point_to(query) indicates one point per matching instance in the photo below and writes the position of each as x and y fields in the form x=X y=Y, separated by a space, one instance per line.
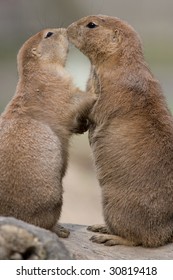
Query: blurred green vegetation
x=159 y=53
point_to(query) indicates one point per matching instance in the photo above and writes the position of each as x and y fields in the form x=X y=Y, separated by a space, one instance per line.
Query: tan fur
x=35 y=129
x=131 y=135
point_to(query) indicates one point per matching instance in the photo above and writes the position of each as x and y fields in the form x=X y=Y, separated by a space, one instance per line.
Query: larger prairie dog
x=131 y=135
x=35 y=129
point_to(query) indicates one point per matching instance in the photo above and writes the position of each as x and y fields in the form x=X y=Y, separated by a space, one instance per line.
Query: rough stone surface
x=19 y=240
x=81 y=247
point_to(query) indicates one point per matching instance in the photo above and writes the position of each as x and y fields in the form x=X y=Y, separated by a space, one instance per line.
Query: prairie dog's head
x=50 y=46
x=100 y=36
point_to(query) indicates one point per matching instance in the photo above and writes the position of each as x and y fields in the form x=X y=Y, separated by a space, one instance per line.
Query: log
x=81 y=247
x=20 y=240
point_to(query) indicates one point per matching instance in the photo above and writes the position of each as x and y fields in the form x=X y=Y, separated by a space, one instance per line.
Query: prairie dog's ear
x=117 y=36
x=35 y=52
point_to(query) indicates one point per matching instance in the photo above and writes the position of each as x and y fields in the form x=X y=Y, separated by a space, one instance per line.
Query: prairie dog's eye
x=91 y=25
x=49 y=34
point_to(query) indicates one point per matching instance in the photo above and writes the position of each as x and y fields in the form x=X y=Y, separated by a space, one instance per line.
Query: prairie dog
x=35 y=130
x=131 y=135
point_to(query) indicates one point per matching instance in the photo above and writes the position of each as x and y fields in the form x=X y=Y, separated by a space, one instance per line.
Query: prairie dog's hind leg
x=111 y=240
x=60 y=231
x=98 y=228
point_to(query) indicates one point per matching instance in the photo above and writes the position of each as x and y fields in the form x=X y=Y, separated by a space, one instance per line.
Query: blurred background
x=20 y=19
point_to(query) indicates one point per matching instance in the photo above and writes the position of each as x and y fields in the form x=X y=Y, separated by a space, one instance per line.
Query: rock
x=82 y=248
x=20 y=240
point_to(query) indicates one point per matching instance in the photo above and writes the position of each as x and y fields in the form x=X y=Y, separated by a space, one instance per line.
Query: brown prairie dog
x=131 y=135
x=35 y=130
